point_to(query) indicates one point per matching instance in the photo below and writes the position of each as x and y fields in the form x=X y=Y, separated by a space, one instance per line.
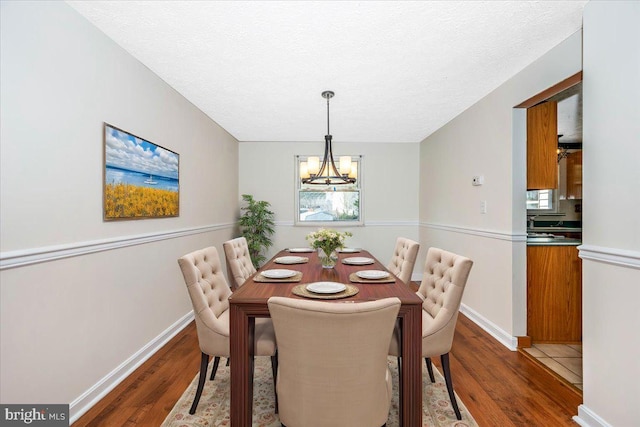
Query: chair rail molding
x=338 y=224
x=20 y=258
x=619 y=257
x=491 y=234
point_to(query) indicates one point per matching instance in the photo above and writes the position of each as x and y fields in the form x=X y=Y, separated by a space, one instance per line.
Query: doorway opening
x=552 y=311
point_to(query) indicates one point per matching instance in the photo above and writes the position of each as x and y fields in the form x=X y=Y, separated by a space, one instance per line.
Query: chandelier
x=312 y=172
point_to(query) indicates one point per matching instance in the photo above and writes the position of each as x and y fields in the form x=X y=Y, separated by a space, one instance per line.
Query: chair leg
x=274 y=371
x=447 y=378
x=216 y=361
x=204 y=364
x=427 y=361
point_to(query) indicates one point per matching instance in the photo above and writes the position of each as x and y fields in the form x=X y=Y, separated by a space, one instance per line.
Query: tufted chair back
x=333 y=361
x=239 y=264
x=209 y=293
x=404 y=258
x=443 y=282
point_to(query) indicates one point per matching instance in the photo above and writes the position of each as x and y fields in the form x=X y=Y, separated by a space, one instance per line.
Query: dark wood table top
x=252 y=292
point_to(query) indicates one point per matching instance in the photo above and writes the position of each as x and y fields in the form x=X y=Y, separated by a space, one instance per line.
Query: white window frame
x=332 y=224
x=555 y=202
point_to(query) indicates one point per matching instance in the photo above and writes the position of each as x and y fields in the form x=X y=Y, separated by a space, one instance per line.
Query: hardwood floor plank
x=498 y=386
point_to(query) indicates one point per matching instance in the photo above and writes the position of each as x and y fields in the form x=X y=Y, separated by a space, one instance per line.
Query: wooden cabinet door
x=574 y=175
x=542 y=143
x=554 y=294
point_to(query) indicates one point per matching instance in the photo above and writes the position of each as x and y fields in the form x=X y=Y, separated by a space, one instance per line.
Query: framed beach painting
x=141 y=179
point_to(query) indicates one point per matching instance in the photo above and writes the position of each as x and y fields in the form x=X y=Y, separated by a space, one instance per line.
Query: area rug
x=213 y=409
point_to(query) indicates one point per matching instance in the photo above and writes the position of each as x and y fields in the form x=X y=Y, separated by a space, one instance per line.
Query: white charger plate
x=349 y=250
x=372 y=274
x=300 y=250
x=289 y=260
x=278 y=273
x=358 y=260
x=326 y=287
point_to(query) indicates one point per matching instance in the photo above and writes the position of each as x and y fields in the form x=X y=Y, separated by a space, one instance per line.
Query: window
x=332 y=205
x=541 y=200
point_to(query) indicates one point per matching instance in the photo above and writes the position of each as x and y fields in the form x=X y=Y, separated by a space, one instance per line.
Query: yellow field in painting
x=131 y=201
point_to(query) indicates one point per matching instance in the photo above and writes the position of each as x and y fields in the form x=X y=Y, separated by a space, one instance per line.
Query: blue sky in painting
x=126 y=151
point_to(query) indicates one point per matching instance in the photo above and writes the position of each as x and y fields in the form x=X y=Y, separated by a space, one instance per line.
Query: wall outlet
x=483 y=207
x=478 y=180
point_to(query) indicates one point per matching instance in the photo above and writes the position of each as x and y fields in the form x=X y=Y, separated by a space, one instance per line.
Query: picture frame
x=140 y=178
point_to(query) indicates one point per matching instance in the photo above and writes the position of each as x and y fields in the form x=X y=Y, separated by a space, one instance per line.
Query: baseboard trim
x=588 y=418
x=491 y=328
x=89 y=398
x=620 y=257
x=13 y=259
x=509 y=237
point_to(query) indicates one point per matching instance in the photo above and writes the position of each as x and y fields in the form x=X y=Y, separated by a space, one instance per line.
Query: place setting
x=325 y=290
x=358 y=260
x=300 y=250
x=278 y=276
x=291 y=260
x=349 y=250
x=372 y=276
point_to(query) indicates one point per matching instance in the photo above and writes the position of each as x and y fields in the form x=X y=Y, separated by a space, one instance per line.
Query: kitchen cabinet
x=574 y=175
x=542 y=143
x=570 y=176
x=554 y=294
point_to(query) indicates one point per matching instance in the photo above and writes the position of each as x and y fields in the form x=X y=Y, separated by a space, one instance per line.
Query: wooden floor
x=498 y=386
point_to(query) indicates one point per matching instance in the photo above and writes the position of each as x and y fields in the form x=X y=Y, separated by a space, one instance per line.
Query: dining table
x=250 y=301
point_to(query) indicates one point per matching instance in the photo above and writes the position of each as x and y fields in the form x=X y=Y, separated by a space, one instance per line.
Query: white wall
x=611 y=220
x=82 y=300
x=486 y=140
x=390 y=178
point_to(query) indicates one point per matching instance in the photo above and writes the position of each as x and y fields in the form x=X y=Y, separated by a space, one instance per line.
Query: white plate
x=278 y=273
x=326 y=287
x=349 y=250
x=372 y=274
x=358 y=260
x=300 y=250
x=289 y=260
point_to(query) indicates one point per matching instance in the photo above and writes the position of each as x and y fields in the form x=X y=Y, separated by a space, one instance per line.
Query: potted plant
x=257 y=226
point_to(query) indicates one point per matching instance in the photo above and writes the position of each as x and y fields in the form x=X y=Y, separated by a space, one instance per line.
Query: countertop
x=552 y=241
x=554 y=229
x=545 y=236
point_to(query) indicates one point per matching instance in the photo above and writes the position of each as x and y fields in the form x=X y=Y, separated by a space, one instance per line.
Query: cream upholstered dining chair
x=333 y=361
x=209 y=293
x=239 y=264
x=443 y=282
x=404 y=258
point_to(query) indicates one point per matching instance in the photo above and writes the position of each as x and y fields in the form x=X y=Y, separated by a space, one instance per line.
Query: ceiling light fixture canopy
x=312 y=172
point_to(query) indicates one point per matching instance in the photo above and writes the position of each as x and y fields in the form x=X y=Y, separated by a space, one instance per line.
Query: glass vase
x=327 y=261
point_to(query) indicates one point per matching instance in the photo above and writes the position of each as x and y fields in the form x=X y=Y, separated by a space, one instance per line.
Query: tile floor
x=563 y=359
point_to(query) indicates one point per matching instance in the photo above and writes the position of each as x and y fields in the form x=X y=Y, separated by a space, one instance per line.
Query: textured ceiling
x=400 y=70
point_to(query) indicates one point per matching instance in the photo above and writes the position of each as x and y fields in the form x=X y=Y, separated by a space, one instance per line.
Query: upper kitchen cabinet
x=542 y=144
x=574 y=175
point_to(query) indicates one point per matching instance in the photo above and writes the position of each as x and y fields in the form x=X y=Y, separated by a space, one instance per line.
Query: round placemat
x=301 y=290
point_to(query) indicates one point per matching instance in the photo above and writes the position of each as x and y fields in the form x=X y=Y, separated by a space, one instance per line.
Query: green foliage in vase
x=257 y=226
